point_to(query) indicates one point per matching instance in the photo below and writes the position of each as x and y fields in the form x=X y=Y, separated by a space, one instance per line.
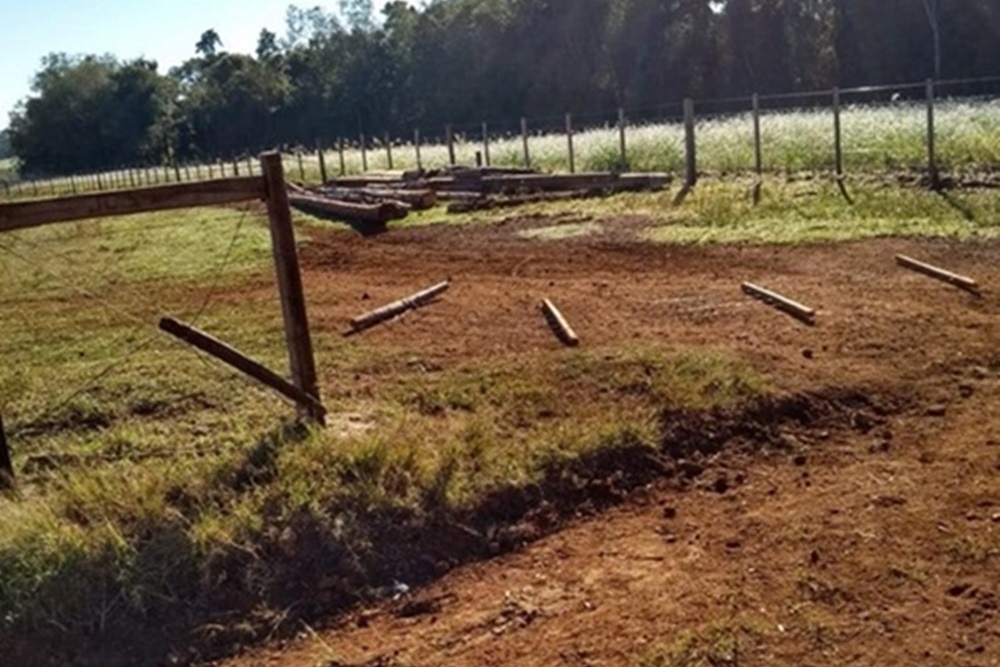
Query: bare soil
x=852 y=520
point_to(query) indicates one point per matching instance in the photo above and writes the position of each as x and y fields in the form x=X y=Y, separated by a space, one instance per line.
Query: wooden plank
x=241 y=362
x=793 y=308
x=559 y=324
x=6 y=466
x=286 y=264
x=962 y=282
x=396 y=308
x=81 y=207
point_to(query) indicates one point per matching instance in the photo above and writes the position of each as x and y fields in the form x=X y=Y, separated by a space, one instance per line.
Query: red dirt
x=874 y=542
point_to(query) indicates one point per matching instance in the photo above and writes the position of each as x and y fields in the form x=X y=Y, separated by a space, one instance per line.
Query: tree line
x=459 y=61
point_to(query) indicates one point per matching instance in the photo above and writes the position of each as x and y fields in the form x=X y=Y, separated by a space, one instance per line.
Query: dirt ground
x=869 y=538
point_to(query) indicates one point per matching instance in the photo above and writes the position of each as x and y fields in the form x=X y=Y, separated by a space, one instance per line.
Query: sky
x=161 y=30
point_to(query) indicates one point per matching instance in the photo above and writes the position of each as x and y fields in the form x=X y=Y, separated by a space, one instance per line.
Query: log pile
x=390 y=195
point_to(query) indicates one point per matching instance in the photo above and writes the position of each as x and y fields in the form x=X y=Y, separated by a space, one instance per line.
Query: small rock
x=966 y=390
x=669 y=512
x=366 y=296
x=670 y=539
x=800 y=460
x=814 y=557
x=936 y=411
x=995 y=518
x=807 y=353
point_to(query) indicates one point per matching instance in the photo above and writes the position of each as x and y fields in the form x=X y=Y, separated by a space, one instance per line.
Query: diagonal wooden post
x=286 y=264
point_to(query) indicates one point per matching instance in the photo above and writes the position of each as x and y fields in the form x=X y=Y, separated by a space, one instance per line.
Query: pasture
x=174 y=506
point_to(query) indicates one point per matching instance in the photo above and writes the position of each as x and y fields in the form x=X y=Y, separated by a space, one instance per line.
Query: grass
x=157 y=487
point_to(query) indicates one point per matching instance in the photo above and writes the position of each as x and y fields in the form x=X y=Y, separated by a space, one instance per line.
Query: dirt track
x=872 y=540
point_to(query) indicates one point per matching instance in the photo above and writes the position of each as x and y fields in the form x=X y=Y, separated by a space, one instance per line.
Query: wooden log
x=962 y=282
x=581 y=181
x=477 y=202
x=241 y=362
x=417 y=199
x=396 y=308
x=559 y=324
x=793 y=308
x=6 y=465
x=382 y=212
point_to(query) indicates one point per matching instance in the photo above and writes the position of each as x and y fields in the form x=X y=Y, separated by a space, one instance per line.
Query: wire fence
x=951 y=125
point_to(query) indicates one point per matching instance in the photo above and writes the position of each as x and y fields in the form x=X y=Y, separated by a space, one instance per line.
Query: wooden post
x=322 y=161
x=771 y=298
x=416 y=148
x=690 y=158
x=932 y=167
x=486 y=143
x=72 y=184
x=621 y=140
x=340 y=153
x=758 y=160
x=399 y=307
x=100 y=183
x=450 y=139
x=559 y=324
x=388 y=150
x=241 y=362
x=569 y=143
x=524 y=140
x=838 y=150
x=302 y=169
x=236 y=168
x=6 y=465
x=960 y=281
x=364 y=155
x=286 y=263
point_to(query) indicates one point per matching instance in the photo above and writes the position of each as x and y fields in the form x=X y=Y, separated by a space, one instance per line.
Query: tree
x=267 y=45
x=208 y=43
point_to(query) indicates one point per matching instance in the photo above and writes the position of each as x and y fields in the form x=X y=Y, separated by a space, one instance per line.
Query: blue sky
x=162 y=30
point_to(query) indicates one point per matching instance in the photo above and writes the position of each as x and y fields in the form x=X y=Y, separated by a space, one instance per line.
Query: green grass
x=157 y=484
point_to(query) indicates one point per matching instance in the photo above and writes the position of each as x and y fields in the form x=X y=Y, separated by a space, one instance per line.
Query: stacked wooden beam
x=390 y=195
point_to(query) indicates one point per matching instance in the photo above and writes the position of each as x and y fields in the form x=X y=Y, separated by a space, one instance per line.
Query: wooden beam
x=6 y=466
x=81 y=207
x=559 y=324
x=793 y=308
x=955 y=279
x=241 y=362
x=286 y=264
x=396 y=308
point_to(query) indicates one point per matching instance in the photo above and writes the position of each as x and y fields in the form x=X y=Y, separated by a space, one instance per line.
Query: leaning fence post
x=524 y=140
x=621 y=138
x=569 y=143
x=932 y=167
x=450 y=139
x=286 y=263
x=690 y=158
x=6 y=466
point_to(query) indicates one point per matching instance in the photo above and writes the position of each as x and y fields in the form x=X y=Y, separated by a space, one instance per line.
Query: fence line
x=571 y=126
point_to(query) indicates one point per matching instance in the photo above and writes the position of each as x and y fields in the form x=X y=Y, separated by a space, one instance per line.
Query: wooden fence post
x=286 y=263
x=690 y=157
x=450 y=139
x=388 y=150
x=758 y=160
x=623 y=164
x=524 y=140
x=569 y=143
x=6 y=466
x=340 y=154
x=932 y=167
x=322 y=161
x=486 y=143
x=838 y=147
x=416 y=148
x=364 y=154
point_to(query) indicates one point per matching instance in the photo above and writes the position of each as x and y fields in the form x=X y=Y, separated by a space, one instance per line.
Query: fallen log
x=419 y=199
x=396 y=308
x=488 y=202
x=381 y=212
x=559 y=324
x=955 y=279
x=601 y=181
x=793 y=308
